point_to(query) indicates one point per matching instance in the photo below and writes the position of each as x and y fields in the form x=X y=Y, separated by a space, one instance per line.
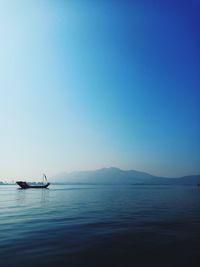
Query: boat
x=26 y=185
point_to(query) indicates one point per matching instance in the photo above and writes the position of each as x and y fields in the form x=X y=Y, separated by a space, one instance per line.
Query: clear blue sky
x=91 y=84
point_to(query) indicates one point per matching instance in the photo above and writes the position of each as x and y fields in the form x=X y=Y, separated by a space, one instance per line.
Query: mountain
x=117 y=176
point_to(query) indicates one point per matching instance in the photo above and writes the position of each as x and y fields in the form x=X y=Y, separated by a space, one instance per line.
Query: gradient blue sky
x=91 y=84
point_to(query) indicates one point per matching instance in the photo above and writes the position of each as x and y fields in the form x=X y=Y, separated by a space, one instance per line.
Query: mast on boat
x=44 y=178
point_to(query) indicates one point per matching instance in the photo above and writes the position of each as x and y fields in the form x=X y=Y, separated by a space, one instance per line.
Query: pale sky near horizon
x=92 y=84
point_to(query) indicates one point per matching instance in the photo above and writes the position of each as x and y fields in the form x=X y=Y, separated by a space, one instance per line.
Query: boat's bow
x=23 y=185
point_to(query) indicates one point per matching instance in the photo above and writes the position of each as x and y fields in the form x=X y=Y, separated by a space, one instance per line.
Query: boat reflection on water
x=32 y=197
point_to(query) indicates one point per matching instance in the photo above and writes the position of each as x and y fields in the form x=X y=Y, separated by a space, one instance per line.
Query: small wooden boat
x=25 y=185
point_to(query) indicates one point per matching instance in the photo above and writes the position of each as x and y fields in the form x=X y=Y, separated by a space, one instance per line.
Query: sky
x=92 y=84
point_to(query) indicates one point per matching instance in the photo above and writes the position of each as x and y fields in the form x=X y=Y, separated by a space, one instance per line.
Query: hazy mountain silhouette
x=117 y=176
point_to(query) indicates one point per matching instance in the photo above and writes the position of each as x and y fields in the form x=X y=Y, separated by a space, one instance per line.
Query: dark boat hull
x=25 y=185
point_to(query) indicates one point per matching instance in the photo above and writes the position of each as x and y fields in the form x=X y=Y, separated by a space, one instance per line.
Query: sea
x=100 y=225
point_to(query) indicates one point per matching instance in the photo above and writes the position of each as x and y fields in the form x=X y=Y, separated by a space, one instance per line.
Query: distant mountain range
x=117 y=176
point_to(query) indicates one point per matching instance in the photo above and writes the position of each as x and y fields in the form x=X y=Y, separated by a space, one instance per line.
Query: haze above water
x=96 y=225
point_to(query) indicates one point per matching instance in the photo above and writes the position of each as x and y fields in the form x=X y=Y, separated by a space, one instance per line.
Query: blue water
x=96 y=225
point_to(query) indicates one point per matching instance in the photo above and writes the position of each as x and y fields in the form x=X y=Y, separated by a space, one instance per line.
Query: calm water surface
x=95 y=225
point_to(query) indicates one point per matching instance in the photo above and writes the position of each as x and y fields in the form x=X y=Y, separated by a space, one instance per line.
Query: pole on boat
x=44 y=178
